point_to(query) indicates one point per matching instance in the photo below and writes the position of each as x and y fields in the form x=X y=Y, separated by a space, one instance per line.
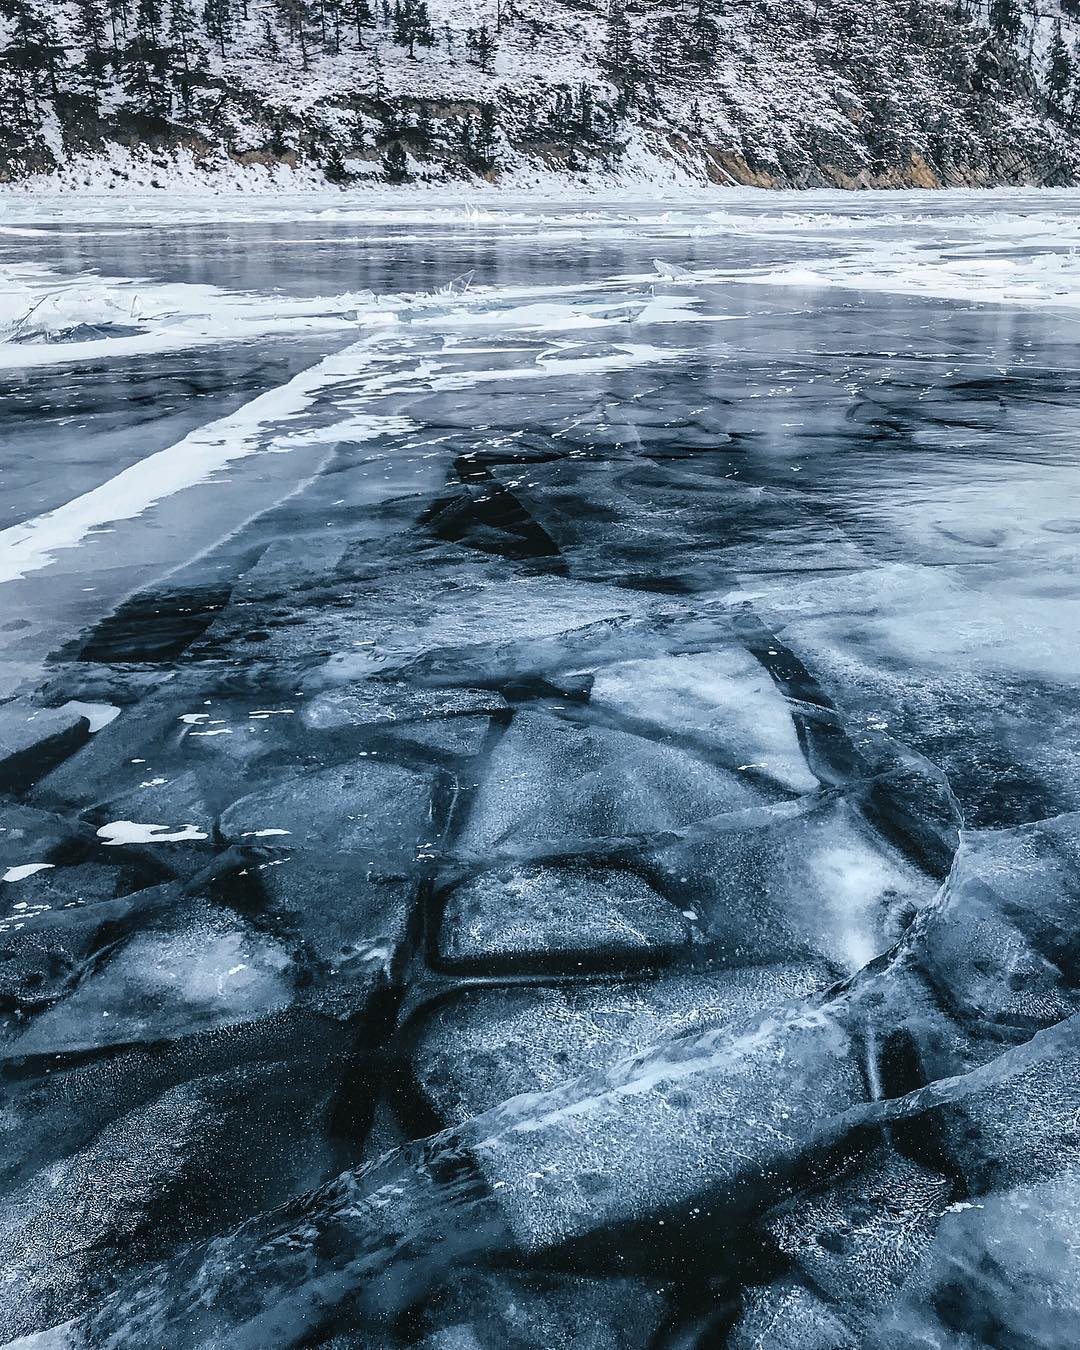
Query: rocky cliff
x=795 y=94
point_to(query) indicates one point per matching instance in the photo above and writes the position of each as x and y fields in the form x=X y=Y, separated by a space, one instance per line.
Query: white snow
x=39 y=304
x=25 y=870
x=33 y=544
x=131 y=832
x=99 y=715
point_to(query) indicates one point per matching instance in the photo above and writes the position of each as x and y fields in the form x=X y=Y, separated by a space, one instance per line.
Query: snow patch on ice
x=33 y=544
x=99 y=715
x=25 y=870
x=131 y=832
x=48 y=317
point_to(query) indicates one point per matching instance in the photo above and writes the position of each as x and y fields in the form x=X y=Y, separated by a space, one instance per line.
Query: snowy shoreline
x=296 y=189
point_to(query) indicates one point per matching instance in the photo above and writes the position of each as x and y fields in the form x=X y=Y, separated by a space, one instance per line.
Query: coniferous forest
x=815 y=92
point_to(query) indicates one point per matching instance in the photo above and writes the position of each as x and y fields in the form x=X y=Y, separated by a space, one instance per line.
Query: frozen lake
x=591 y=682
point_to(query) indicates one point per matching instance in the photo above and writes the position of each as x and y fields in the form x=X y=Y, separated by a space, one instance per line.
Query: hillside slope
x=792 y=93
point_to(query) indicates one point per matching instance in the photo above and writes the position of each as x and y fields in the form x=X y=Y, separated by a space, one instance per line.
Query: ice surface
x=72 y=1230
x=819 y=882
x=550 y=779
x=1016 y=247
x=196 y=968
x=547 y=915
x=788 y=1316
x=1009 y=1260
x=32 y=739
x=725 y=696
x=555 y=822
x=557 y=1311
x=48 y=317
x=745 y=1109
x=34 y=543
x=380 y=813
x=381 y=702
x=861 y=1240
x=520 y=1040
x=973 y=674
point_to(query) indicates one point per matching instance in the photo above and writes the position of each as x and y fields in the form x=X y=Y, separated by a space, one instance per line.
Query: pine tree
x=334 y=166
x=335 y=16
x=424 y=131
x=665 y=44
x=618 y=52
x=1059 y=71
x=585 y=112
x=396 y=163
x=180 y=31
x=145 y=63
x=703 y=35
x=92 y=33
x=297 y=15
x=1071 y=102
x=34 y=48
x=1004 y=18
x=362 y=18
x=118 y=22
x=412 y=25
x=148 y=23
x=478 y=140
x=217 y=20
x=483 y=155
x=15 y=111
x=90 y=28
x=271 y=45
x=561 y=118
x=480 y=44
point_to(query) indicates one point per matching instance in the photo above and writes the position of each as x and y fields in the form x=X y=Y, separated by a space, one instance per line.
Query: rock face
x=822 y=94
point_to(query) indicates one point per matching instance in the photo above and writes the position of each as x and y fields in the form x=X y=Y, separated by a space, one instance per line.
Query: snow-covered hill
x=769 y=92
